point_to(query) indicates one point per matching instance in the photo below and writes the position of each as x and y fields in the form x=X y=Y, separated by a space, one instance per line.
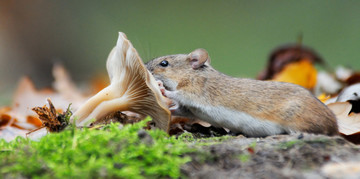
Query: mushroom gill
x=132 y=88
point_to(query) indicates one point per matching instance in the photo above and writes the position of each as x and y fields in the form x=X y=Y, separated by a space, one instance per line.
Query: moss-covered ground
x=110 y=152
x=129 y=151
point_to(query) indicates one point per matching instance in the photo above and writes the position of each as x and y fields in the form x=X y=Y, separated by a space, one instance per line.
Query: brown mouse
x=252 y=107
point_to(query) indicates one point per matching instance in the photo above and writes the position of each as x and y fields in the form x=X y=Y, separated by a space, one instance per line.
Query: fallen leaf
x=353 y=79
x=343 y=73
x=116 y=116
x=33 y=120
x=323 y=97
x=301 y=73
x=5 y=120
x=202 y=131
x=19 y=115
x=348 y=122
x=67 y=90
x=10 y=133
x=27 y=96
x=180 y=125
x=350 y=93
x=285 y=55
x=327 y=84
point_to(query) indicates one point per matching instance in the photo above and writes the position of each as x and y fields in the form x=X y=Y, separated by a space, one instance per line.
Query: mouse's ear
x=198 y=58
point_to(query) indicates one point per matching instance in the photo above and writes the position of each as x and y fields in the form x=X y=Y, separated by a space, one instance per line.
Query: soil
x=281 y=156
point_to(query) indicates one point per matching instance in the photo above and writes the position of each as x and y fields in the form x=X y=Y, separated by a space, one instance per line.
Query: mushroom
x=132 y=88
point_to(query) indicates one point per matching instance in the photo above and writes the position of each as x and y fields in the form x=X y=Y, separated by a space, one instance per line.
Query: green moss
x=321 y=140
x=112 y=153
x=253 y=145
x=212 y=140
x=289 y=144
x=190 y=138
x=187 y=137
x=244 y=157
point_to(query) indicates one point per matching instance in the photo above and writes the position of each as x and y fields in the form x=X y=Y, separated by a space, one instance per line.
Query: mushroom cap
x=132 y=88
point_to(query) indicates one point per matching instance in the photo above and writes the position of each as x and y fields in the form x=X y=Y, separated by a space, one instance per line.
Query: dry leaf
x=353 y=79
x=285 y=55
x=19 y=115
x=301 y=73
x=343 y=73
x=10 y=133
x=26 y=96
x=117 y=116
x=327 y=83
x=350 y=93
x=324 y=97
x=180 y=125
x=64 y=86
x=349 y=124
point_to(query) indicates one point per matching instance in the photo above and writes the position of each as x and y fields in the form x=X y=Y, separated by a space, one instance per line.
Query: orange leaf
x=301 y=73
x=323 y=97
x=4 y=120
x=34 y=121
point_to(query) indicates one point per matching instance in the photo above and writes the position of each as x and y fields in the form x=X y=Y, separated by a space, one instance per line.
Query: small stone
x=145 y=137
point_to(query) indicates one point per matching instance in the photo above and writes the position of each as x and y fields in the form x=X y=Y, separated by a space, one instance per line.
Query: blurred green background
x=238 y=35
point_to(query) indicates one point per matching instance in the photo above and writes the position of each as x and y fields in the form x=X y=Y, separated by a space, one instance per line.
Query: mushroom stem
x=91 y=104
x=105 y=108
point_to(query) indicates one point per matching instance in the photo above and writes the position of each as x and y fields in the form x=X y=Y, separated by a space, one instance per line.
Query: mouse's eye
x=164 y=63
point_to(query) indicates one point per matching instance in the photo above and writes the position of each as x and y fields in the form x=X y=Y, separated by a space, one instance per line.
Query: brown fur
x=286 y=104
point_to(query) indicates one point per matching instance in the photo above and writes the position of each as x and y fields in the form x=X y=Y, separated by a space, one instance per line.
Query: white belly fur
x=239 y=122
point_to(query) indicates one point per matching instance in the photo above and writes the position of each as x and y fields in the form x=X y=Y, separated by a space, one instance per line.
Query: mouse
x=245 y=106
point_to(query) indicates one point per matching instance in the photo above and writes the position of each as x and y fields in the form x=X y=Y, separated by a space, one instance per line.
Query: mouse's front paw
x=160 y=83
x=174 y=106
x=165 y=92
x=161 y=87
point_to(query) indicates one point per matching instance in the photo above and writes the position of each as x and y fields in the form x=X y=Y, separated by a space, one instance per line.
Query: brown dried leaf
x=176 y=129
x=349 y=124
x=353 y=79
x=285 y=55
x=202 y=131
x=66 y=88
x=5 y=120
x=199 y=128
x=27 y=96
x=116 y=116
